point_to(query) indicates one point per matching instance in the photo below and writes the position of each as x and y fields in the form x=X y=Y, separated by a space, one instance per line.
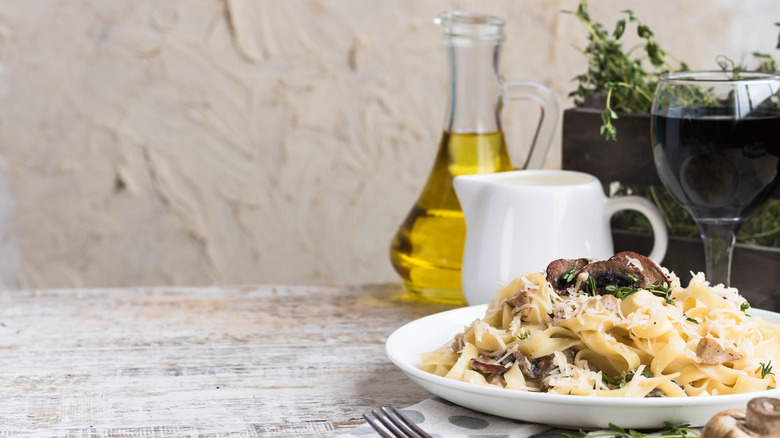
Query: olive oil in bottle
x=428 y=248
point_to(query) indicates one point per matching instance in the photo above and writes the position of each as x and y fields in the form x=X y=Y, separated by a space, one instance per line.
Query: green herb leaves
x=620 y=381
x=617 y=73
x=670 y=431
x=590 y=286
x=766 y=369
x=656 y=288
x=568 y=277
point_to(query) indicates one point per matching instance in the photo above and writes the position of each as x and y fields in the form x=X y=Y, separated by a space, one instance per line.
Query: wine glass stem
x=719 y=237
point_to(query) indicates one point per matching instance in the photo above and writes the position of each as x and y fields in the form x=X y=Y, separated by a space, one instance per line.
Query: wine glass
x=716 y=143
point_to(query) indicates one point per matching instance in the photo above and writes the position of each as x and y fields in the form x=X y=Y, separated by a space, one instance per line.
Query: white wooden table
x=222 y=361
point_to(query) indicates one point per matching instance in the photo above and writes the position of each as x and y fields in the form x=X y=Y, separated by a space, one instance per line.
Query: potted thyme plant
x=609 y=126
x=607 y=133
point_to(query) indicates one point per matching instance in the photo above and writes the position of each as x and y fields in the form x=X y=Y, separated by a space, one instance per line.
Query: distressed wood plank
x=222 y=361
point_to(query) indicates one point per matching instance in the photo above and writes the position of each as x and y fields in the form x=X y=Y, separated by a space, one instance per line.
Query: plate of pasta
x=588 y=343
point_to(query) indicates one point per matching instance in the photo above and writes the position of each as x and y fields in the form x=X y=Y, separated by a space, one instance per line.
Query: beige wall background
x=196 y=142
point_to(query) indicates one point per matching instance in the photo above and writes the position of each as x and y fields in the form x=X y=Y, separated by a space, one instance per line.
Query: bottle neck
x=474 y=86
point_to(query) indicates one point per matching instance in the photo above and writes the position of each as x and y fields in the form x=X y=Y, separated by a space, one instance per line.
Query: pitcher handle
x=548 y=120
x=649 y=210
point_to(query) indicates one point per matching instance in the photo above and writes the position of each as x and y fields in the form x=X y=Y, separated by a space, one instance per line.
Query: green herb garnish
x=590 y=287
x=568 y=277
x=691 y=319
x=656 y=288
x=766 y=369
x=620 y=381
x=744 y=306
x=623 y=292
x=670 y=431
x=617 y=380
x=523 y=336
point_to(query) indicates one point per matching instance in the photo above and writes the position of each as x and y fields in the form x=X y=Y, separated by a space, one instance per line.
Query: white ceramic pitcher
x=517 y=222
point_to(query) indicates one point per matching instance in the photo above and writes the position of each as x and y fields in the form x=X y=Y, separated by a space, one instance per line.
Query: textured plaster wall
x=204 y=141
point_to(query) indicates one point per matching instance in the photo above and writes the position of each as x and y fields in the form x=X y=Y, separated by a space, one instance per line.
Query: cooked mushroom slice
x=656 y=392
x=458 y=342
x=529 y=368
x=761 y=419
x=547 y=366
x=493 y=367
x=518 y=301
x=489 y=365
x=649 y=271
x=710 y=352
x=608 y=273
x=557 y=272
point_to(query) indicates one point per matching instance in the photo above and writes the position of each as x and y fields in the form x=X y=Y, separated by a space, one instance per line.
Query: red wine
x=714 y=164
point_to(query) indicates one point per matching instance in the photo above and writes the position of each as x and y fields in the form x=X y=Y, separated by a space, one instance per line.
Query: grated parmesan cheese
x=636 y=264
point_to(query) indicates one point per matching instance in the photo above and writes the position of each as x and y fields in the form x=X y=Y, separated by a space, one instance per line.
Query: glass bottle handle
x=548 y=119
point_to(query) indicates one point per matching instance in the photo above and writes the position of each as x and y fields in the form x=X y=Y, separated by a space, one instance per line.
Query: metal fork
x=389 y=422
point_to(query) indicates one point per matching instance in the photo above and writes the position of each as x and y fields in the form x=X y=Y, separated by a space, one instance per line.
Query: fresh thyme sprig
x=620 y=381
x=765 y=62
x=656 y=288
x=670 y=431
x=766 y=369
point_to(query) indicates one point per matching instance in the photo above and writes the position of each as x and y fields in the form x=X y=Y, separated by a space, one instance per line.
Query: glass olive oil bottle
x=428 y=248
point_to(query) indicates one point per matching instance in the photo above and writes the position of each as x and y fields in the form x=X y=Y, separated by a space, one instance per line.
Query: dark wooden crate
x=755 y=269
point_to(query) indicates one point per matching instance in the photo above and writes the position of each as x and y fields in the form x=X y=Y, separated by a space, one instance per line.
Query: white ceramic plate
x=426 y=334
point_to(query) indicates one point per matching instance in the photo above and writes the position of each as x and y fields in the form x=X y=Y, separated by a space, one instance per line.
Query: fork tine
x=410 y=426
x=372 y=421
x=391 y=424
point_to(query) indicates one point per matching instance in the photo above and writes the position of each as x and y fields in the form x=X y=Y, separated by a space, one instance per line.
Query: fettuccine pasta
x=658 y=339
